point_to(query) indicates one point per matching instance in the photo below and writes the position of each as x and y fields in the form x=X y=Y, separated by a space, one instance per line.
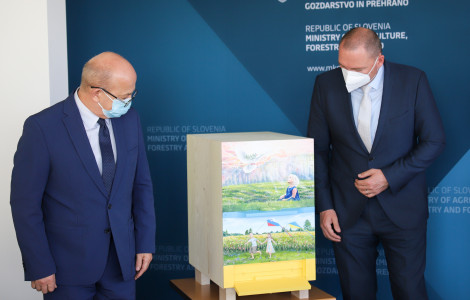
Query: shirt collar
x=377 y=82
x=90 y=120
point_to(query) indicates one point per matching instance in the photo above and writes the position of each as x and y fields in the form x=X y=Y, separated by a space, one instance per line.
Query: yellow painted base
x=273 y=277
x=271 y=286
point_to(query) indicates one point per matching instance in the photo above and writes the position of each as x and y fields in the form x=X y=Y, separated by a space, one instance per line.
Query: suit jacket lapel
x=121 y=152
x=74 y=124
x=386 y=100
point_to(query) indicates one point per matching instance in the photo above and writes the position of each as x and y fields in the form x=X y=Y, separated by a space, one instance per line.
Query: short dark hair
x=362 y=37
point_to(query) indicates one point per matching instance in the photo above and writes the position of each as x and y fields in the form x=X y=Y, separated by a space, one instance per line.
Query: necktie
x=363 y=118
x=107 y=156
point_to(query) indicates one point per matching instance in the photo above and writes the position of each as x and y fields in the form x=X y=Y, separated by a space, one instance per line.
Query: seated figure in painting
x=291 y=193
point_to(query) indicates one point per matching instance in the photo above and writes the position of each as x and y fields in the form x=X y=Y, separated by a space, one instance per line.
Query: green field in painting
x=265 y=196
x=293 y=246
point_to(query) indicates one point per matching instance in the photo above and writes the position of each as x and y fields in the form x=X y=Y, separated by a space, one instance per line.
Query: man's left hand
x=142 y=263
x=371 y=183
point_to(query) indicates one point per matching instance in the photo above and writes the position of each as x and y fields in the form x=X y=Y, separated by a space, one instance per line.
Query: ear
x=380 y=61
x=95 y=94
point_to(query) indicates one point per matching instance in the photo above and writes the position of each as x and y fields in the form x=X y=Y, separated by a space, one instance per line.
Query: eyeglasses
x=126 y=101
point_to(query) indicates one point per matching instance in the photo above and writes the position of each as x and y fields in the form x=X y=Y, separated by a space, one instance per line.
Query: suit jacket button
x=107 y=230
x=109 y=206
x=371 y=158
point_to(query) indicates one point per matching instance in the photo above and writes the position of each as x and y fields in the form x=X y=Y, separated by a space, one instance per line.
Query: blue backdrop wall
x=209 y=66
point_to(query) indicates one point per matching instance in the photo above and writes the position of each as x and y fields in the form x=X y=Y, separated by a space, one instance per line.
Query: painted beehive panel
x=251 y=209
x=268 y=201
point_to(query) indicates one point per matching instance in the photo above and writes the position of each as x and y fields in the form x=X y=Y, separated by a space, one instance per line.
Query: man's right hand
x=328 y=221
x=45 y=285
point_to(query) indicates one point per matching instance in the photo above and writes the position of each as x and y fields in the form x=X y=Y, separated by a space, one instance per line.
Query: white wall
x=26 y=81
x=58 y=71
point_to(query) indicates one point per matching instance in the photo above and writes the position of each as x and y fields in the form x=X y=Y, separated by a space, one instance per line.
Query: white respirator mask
x=355 y=80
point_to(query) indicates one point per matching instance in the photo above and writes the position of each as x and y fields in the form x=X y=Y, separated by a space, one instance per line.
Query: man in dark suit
x=81 y=193
x=376 y=129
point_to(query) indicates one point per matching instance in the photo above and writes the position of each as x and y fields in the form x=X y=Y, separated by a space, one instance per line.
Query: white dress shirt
x=92 y=128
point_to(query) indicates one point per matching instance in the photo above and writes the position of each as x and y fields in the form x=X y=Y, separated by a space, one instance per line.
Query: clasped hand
x=371 y=183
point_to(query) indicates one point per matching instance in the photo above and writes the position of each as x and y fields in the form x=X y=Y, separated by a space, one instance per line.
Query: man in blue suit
x=81 y=193
x=376 y=129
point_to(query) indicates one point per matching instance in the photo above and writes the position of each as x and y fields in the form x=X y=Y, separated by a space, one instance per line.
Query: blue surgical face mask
x=118 y=109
